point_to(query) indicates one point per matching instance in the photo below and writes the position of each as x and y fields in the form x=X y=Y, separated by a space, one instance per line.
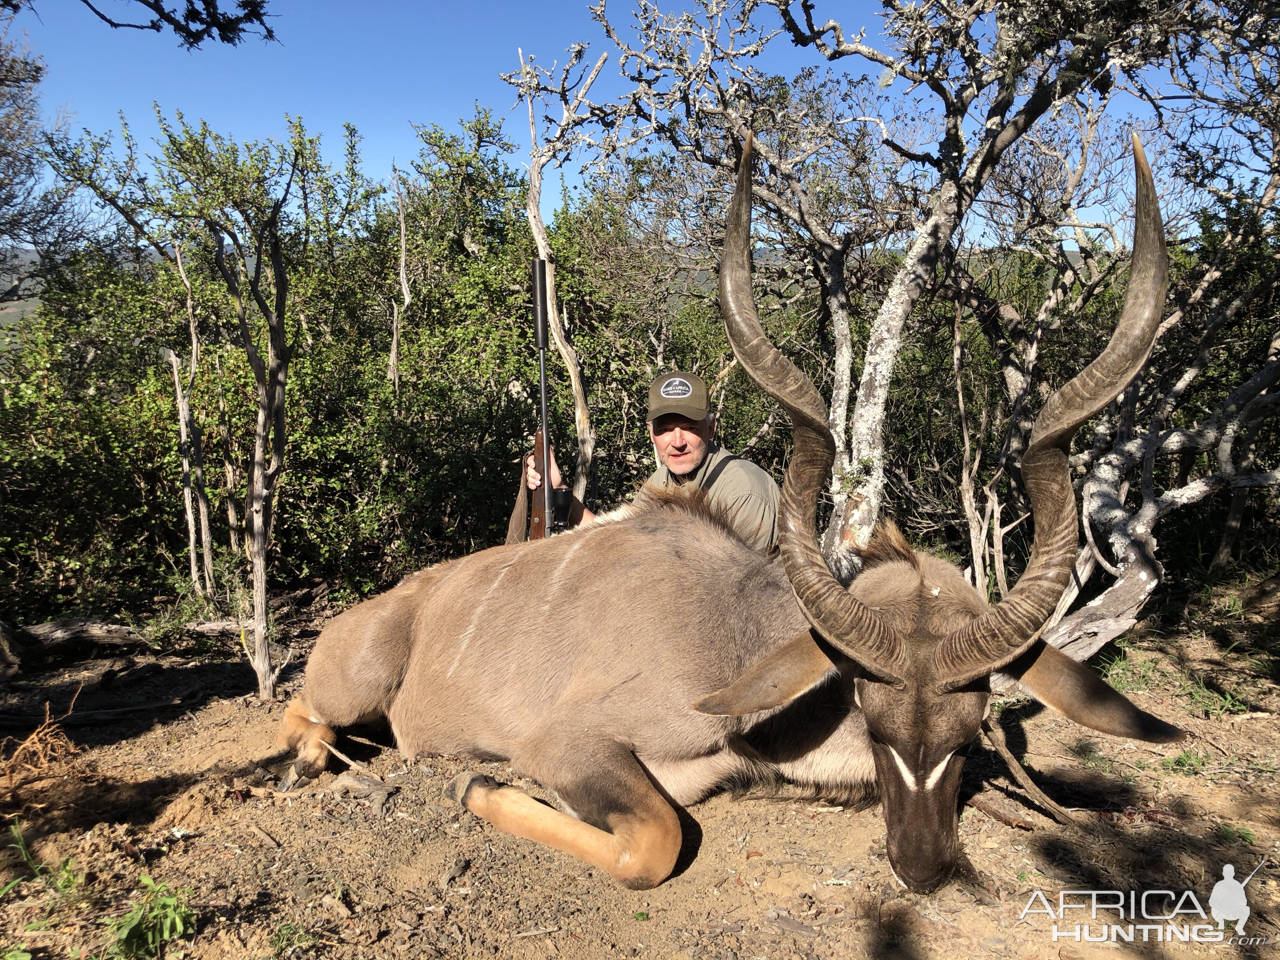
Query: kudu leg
x=631 y=832
x=302 y=729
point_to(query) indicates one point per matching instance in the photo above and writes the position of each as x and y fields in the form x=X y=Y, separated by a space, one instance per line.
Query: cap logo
x=676 y=389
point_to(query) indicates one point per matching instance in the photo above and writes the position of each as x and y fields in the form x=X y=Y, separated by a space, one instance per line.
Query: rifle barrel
x=1255 y=870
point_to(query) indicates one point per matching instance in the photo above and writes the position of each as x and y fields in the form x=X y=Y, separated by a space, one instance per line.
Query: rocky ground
x=152 y=773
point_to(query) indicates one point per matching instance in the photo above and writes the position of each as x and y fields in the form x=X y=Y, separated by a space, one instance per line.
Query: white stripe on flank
x=554 y=583
x=471 y=627
x=938 y=771
x=907 y=775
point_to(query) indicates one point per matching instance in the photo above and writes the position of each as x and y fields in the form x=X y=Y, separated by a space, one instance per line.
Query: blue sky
x=380 y=64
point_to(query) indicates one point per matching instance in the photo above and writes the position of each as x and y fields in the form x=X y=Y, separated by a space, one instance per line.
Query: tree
x=992 y=71
x=269 y=211
x=571 y=91
x=995 y=117
x=192 y=24
x=825 y=201
x=35 y=221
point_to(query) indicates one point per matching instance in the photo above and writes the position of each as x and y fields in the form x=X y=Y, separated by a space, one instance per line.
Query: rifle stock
x=538 y=515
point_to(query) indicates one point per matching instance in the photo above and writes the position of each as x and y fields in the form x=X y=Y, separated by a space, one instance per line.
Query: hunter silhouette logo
x=1228 y=900
x=1149 y=916
x=676 y=389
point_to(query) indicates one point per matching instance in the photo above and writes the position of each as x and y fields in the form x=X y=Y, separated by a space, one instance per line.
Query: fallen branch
x=539 y=931
x=60 y=631
x=299 y=598
x=218 y=628
x=996 y=737
x=262 y=835
x=91 y=716
x=343 y=757
x=44 y=640
x=995 y=813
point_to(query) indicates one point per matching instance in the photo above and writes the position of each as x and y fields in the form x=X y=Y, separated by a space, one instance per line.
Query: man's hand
x=577 y=512
x=534 y=479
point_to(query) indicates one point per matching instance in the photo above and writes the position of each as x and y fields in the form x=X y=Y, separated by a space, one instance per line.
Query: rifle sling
x=718 y=469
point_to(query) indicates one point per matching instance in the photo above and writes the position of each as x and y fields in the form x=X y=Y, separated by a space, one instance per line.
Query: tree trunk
x=866 y=428
x=397 y=309
x=393 y=358
x=269 y=431
x=257 y=536
x=975 y=522
x=44 y=640
x=193 y=477
x=228 y=464
x=581 y=411
x=10 y=661
x=202 y=500
x=836 y=297
x=1133 y=545
x=187 y=501
x=1234 y=515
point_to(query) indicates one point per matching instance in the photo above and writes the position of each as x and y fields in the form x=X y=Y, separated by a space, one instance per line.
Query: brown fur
x=590 y=664
x=578 y=659
x=887 y=546
x=689 y=501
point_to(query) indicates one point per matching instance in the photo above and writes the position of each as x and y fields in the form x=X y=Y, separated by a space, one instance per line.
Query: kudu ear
x=797 y=666
x=1081 y=695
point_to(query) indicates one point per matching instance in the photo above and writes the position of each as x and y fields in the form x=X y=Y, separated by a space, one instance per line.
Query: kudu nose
x=922 y=882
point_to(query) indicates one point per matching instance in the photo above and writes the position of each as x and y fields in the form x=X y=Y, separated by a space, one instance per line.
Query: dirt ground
x=153 y=773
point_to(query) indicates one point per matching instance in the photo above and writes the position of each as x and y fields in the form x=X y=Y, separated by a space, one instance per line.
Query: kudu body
x=648 y=658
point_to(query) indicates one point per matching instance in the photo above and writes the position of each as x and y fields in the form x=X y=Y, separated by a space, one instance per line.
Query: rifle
x=550 y=507
x=547 y=503
x=1255 y=870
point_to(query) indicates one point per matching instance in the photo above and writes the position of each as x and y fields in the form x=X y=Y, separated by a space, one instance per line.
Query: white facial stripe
x=910 y=779
x=937 y=772
x=907 y=775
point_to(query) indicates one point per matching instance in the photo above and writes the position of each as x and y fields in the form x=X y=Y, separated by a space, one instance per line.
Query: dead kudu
x=649 y=658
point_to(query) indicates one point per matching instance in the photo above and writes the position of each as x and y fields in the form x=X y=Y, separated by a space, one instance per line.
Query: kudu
x=648 y=658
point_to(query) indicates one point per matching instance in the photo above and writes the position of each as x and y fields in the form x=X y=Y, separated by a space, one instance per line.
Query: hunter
x=682 y=427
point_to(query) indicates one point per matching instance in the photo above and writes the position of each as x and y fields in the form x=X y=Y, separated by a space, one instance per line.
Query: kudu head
x=920 y=641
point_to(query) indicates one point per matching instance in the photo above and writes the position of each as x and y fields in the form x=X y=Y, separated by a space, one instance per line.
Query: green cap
x=682 y=393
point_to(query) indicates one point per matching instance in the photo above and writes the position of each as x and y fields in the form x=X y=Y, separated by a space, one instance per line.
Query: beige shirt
x=746 y=494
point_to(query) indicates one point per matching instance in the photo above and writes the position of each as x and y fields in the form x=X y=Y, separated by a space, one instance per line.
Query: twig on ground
x=264 y=836
x=996 y=737
x=1213 y=743
x=344 y=758
x=91 y=716
x=535 y=932
x=995 y=813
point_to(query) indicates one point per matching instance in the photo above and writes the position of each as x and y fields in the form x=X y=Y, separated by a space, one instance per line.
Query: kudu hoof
x=293 y=779
x=463 y=783
x=304 y=768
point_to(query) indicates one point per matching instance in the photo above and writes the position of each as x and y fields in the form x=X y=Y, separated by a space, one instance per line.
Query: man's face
x=681 y=443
